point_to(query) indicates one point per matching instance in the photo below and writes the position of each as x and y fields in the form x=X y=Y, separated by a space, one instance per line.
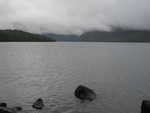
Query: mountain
x=21 y=36
x=62 y=37
x=118 y=35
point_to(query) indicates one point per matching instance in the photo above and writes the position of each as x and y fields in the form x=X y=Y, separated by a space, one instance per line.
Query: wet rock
x=84 y=93
x=145 y=108
x=3 y=104
x=38 y=104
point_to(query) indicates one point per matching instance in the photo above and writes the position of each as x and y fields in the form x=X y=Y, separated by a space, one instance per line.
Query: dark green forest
x=21 y=36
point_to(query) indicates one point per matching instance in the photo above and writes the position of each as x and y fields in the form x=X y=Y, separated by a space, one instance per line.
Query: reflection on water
x=118 y=72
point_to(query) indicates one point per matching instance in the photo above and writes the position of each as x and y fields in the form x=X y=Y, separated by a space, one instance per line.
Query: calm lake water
x=119 y=73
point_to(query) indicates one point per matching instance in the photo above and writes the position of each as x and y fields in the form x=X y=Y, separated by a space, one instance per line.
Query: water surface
x=118 y=72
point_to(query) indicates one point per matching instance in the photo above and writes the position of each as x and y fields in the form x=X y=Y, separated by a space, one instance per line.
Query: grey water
x=119 y=73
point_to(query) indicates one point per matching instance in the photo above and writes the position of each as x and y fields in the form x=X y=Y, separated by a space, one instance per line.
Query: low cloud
x=73 y=16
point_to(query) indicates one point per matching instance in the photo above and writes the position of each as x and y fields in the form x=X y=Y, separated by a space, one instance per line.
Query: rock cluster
x=82 y=92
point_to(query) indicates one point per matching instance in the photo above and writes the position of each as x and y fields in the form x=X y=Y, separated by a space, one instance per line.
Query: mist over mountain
x=64 y=38
x=117 y=35
x=79 y=20
x=73 y=16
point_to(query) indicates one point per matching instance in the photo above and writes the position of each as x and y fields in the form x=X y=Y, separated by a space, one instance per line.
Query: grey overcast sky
x=73 y=16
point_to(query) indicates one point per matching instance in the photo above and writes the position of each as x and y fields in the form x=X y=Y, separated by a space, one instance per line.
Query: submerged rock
x=38 y=104
x=7 y=110
x=17 y=108
x=84 y=93
x=145 y=108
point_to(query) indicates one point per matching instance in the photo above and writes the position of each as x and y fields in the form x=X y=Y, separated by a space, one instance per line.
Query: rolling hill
x=21 y=36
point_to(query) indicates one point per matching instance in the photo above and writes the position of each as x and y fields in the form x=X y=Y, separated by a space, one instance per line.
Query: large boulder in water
x=145 y=108
x=38 y=104
x=84 y=93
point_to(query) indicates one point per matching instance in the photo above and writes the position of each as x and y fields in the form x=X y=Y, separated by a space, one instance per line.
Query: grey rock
x=84 y=93
x=38 y=104
x=145 y=108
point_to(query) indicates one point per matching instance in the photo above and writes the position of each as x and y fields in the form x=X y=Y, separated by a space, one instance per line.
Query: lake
x=119 y=73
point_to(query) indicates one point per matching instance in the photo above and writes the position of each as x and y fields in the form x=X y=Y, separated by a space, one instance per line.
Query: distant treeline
x=21 y=36
x=117 y=36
